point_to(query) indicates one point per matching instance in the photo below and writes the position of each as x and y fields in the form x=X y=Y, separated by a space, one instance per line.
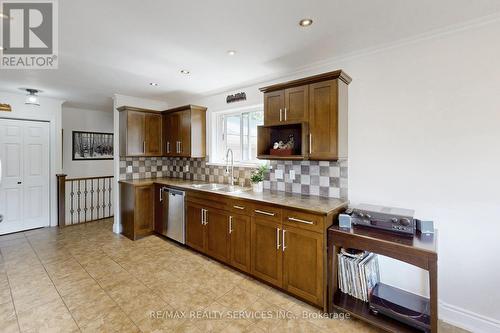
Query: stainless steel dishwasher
x=174 y=217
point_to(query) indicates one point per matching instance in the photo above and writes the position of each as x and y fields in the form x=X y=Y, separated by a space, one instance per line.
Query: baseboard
x=467 y=320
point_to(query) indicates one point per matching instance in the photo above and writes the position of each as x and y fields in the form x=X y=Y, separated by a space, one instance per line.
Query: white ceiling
x=119 y=46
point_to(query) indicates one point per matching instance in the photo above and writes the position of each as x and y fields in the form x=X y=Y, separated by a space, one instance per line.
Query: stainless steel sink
x=220 y=188
x=212 y=187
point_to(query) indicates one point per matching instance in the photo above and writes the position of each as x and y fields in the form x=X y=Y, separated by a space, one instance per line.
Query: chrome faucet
x=231 y=174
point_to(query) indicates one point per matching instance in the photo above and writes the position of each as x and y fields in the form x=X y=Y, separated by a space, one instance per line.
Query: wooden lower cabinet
x=137 y=210
x=303 y=264
x=217 y=235
x=240 y=242
x=195 y=227
x=267 y=257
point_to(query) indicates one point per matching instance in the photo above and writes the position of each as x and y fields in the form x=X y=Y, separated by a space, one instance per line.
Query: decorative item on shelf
x=5 y=107
x=257 y=178
x=242 y=96
x=283 y=149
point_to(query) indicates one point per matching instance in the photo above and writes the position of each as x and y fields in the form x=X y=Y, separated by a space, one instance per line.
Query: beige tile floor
x=86 y=278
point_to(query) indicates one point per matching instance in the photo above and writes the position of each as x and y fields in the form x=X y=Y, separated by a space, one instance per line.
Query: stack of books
x=358 y=273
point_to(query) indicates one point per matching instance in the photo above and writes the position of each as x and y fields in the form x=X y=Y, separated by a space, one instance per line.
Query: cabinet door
x=303 y=264
x=195 y=229
x=185 y=133
x=296 y=104
x=239 y=228
x=135 y=133
x=323 y=120
x=153 y=136
x=274 y=103
x=169 y=141
x=217 y=234
x=144 y=210
x=175 y=123
x=267 y=257
x=161 y=210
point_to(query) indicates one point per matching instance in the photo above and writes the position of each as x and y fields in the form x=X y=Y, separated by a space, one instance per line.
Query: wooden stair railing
x=89 y=199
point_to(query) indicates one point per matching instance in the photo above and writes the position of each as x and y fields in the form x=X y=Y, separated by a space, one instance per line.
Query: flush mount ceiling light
x=305 y=22
x=154 y=84
x=231 y=52
x=32 y=97
x=185 y=72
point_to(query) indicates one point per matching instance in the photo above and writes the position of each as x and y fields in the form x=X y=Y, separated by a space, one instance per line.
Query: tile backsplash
x=320 y=178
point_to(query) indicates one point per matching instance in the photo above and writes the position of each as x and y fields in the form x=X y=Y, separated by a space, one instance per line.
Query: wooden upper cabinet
x=274 y=103
x=320 y=101
x=153 y=134
x=296 y=104
x=140 y=132
x=185 y=131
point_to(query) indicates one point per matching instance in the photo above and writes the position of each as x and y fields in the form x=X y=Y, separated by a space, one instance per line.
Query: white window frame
x=216 y=127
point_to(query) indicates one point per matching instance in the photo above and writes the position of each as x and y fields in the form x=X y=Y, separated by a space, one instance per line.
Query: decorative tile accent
x=321 y=178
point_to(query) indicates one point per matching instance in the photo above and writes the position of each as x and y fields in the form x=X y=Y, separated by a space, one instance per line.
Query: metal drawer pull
x=283 y=238
x=230 y=224
x=264 y=213
x=293 y=219
x=278 y=238
x=239 y=207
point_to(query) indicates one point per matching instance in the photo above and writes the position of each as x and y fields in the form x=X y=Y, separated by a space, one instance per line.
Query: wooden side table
x=419 y=251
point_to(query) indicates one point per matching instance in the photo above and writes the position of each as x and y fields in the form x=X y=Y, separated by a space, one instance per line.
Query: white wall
x=424 y=133
x=49 y=110
x=85 y=120
x=118 y=101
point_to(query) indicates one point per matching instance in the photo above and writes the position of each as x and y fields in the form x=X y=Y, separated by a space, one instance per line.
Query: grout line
x=10 y=291
x=53 y=284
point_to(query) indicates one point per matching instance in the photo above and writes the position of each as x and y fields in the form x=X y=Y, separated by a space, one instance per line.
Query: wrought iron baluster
x=72 y=194
x=79 y=200
x=98 y=205
x=103 y=197
x=109 y=197
x=92 y=200
x=85 y=192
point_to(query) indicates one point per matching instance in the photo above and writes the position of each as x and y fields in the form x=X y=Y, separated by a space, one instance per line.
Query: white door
x=24 y=175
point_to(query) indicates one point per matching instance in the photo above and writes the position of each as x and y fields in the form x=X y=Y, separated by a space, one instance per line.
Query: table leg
x=433 y=283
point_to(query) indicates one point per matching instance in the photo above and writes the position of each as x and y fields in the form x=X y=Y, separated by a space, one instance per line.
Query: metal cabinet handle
x=310 y=143
x=281 y=114
x=206 y=218
x=283 y=239
x=180 y=146
x=143 y=146
x=285 y=114
x=278 y=238
x=239 y=207
x=293 y=219
x=168 y=147
x=202 y=216
x=264 y=213
x=161 y=194
x=230 y=224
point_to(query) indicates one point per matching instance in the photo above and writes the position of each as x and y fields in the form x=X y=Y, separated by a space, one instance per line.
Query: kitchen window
x=237 y=130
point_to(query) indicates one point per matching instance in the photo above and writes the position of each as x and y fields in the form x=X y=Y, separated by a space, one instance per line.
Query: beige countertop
x=316 y=204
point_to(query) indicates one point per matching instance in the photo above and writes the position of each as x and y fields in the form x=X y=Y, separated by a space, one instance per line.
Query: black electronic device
x=398 y=220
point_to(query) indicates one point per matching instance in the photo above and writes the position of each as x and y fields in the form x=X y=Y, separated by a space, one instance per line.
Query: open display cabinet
x=269 y=134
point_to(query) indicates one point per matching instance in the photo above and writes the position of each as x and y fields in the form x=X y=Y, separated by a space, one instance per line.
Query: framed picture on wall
x=92 y=146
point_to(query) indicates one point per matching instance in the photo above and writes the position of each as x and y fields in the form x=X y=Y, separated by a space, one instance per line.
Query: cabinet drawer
x=265 y=212
x=241 y=207
x=303 y=220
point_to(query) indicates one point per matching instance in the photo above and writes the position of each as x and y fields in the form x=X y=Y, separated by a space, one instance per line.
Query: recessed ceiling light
x=305 y=22
x=231 y=52
x=154 y=84
x=185 y=72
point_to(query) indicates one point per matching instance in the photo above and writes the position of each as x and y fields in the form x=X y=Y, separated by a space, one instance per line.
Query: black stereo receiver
x=398 y=220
